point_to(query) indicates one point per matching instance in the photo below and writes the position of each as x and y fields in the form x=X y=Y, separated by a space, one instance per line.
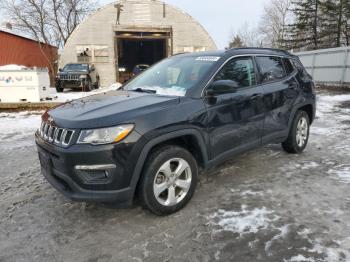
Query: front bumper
x=67 y=170
x=73 y=83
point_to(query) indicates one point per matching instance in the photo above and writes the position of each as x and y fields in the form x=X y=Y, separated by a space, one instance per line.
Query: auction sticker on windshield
x=208 y=58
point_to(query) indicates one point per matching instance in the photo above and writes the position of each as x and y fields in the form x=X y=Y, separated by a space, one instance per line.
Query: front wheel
x=59 y=88
x=168 y=181
x=299 y=134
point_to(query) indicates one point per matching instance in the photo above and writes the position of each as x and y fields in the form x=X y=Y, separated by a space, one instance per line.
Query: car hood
x=108 y=109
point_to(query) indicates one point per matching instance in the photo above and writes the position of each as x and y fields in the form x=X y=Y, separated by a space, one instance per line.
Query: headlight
x=105 y=135
x=82 y=76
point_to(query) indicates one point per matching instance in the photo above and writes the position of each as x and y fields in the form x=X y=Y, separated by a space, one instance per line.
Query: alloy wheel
x=302 y=131
x=172 y=182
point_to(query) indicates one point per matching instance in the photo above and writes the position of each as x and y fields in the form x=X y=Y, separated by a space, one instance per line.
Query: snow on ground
x=341 y=173
x=338 y=251
x=299 y=258
x=283 y=234
x=72 y=95
x=16 y=127
x=244 y=221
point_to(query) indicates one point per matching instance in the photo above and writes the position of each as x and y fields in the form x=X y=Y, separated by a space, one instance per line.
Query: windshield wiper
x=142 y=90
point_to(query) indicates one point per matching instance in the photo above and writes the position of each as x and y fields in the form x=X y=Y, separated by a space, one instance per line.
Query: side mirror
x=222 y=87
x=92 y=68
x=60 y=70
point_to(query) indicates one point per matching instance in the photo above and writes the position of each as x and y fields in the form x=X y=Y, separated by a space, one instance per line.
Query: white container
x=24 y=85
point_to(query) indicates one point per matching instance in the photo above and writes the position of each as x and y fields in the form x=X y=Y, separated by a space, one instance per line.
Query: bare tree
x=48 y=21
x=247 y=35
x=274 y=21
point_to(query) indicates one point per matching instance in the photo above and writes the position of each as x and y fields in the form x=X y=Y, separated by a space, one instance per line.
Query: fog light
x=94 y=173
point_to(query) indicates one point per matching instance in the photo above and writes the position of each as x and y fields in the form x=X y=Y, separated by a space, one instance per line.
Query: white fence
x=328 y=66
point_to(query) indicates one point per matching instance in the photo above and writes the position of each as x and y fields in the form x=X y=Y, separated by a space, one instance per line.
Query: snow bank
x=12 y=67
x=71 y=95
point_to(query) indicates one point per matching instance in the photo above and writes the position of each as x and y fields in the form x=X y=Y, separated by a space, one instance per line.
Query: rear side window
x=288 y=66
x=240 y=70
x=298 y=65
x=271 y=68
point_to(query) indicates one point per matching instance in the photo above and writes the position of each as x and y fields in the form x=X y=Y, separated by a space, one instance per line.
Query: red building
x=19 y=50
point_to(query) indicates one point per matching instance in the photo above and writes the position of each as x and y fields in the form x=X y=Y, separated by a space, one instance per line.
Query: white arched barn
x=127 y=33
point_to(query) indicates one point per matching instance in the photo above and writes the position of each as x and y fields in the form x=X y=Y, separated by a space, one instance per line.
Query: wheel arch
x=309 y=108
x=190 y=139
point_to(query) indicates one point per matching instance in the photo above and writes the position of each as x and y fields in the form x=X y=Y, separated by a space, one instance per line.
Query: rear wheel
x=299 y=134
x=168 y=181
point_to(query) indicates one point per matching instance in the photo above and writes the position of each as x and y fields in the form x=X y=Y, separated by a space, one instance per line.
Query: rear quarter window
x=288 y=66
x=271 y=68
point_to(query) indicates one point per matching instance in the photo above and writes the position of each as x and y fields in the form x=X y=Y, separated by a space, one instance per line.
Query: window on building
x=84 y=54
x=271 y=68
x=101 y=54
x=92 y=54
x=240 y=70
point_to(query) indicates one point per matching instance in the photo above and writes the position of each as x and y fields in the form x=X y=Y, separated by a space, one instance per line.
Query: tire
x=88 y=86
x=59 y=88
x=299 y=134
x=97 y=84
x=160 y=172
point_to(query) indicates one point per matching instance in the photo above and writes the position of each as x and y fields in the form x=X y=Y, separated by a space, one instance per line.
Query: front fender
x=161 y=139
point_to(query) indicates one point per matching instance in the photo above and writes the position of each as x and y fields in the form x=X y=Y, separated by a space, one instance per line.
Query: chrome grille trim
x=55 y=135
x=70 y=77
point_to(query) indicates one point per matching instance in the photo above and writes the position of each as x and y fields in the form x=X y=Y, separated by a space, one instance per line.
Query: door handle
x=256 y=96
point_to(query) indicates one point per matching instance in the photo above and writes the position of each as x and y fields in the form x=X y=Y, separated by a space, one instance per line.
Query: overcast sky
x=219 y=17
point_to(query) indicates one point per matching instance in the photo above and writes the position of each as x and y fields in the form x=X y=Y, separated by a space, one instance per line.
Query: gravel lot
x=265 y=205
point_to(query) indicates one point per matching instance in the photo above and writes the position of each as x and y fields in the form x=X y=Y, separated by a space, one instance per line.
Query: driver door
x=235 y=119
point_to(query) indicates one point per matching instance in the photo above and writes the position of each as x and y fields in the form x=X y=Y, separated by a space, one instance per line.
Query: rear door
x=277 y=77
x=235 y=120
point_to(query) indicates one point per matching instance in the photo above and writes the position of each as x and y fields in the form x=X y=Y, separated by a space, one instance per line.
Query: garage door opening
x=138 y=53
x=140 y=47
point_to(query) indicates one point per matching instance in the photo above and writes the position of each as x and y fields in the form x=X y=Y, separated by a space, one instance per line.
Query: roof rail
x=259 y=48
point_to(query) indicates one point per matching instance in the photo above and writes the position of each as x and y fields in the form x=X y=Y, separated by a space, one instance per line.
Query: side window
x=271 y=68
x=240 y=70
x=288 y=66
x=299 y=66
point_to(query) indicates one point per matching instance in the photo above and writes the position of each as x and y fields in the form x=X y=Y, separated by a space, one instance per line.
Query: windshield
x=76 y=67
x=173 y=76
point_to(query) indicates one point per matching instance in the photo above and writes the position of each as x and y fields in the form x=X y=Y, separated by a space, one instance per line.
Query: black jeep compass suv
x=188 y=111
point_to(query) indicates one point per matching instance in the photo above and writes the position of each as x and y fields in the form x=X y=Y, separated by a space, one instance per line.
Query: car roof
x=241 y=51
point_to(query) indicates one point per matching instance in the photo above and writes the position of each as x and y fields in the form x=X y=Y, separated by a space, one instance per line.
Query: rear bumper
x=59 y=167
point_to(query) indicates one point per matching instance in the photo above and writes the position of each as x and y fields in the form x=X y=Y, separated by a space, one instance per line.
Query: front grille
x=70 y=77
x=56 y=135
